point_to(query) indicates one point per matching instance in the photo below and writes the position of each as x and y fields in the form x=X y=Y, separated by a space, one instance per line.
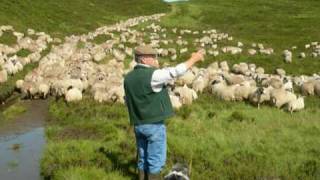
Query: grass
x=279 y=24
x=13 y=111
x=216 y=139
x=61 y=18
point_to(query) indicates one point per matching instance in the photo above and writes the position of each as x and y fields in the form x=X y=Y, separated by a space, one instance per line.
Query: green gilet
x=144 y=105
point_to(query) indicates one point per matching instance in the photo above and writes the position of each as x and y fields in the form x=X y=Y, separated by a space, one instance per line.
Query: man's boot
x=154 y=177
x=142 y=175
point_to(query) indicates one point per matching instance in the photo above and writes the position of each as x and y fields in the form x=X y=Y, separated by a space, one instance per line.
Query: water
x=21 y=143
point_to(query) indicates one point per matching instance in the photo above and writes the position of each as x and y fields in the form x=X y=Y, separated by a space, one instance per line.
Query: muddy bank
x=22 y=141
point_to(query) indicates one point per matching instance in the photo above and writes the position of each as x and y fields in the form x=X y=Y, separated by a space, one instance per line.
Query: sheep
x=186 y=94
x=280 y=72
x=241 y=68
x=243 y=91
x=260 y=96
x=44 y=90
x=73 y=94
x=200 y=83
x=287 y=56
x=287 y=85
x=19 y=84
x=175 y=101
x=307 y=88
x=260 y=70
x=252 y=51
x=280 y=97
x=302 y=55
x=183 y=50
x=224 y=66
x=232 y=50
x=187 y=78
x=3 y=76
x=223 y=91
x=233 y=79
x=274 y=82
x=296 y=105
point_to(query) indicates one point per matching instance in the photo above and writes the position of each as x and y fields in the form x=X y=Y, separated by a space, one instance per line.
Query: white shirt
x=161 y=77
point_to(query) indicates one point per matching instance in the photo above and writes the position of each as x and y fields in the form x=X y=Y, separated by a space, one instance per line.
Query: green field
x=216 y=139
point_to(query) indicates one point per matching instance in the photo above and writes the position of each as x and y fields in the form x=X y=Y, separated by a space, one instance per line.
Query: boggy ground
x=216 y=139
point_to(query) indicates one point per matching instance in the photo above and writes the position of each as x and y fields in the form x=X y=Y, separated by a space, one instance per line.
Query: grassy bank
x=217 y=140
x=60 y=18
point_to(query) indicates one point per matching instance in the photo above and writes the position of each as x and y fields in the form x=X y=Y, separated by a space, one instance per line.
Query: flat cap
x=145 y=50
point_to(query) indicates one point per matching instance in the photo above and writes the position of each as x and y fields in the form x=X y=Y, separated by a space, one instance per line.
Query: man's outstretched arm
x=163 y=76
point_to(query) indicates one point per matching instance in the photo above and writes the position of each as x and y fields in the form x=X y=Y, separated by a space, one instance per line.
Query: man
x=149 y=105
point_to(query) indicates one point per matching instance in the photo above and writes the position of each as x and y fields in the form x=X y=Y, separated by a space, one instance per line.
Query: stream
x=22 y=141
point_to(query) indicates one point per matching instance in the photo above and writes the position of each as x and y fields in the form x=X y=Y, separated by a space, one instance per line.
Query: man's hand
x=198 y=56
x=195 y=57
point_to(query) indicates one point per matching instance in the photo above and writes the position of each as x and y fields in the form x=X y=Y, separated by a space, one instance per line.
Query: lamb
x=260 y=70
x=73 y=94
x=296 y=105
x=280 y=97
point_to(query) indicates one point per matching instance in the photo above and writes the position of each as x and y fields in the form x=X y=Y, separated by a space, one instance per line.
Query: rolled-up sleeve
x=161 y=77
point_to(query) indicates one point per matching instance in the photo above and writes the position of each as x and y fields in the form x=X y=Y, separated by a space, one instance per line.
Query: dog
x=178 y=172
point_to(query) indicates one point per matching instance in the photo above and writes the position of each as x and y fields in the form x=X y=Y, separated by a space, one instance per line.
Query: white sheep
x=44 y=89
x=187 y=78
x=200 y=83
x=243 y=91
x=186 y=94
x=224 y=66
x=175 y=101
x=260 y=96
x=287 y=56
x=296 y=105
x=19 y=84
x=280 y=97
x=73 y=94
x=223 y=91
x=307 y=88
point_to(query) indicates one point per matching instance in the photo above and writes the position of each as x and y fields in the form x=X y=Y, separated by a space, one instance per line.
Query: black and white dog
x=178 y=172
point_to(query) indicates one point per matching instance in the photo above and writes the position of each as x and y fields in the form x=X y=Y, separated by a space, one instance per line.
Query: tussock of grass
x=13 y=111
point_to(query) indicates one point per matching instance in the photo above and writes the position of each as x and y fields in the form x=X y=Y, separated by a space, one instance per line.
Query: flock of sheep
x=78 y=66
x=10 y=62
